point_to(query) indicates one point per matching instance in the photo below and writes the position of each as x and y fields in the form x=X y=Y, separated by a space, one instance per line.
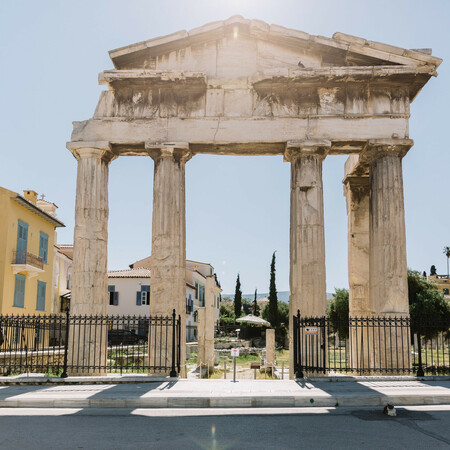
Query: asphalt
x=147 y=392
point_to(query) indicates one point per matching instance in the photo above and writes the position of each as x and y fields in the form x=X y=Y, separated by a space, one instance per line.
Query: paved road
x=324 y=428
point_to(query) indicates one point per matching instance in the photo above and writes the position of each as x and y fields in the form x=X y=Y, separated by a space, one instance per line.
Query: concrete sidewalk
x=184 y=393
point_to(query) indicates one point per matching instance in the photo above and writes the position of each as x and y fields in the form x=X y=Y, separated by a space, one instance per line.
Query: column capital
x=179 y=151
x=306 y=147
x=91 y=149
x=377 y=148
x=358 y=185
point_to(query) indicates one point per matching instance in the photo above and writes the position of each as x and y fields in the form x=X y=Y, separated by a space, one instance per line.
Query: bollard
x=282 y=370
x=254 y=374
x=234 y=369
x=225 y=370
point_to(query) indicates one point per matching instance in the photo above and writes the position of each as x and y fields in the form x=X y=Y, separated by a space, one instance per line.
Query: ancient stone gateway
x=243 y=87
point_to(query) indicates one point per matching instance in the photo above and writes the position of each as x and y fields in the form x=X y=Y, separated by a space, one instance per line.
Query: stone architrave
x=270 y=349
x=89 y=280
x=307 y=239
x=356 y=191
x=168 y=258
x=388 y=291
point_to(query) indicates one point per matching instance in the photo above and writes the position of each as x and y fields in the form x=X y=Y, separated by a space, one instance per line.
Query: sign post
x=234 y=354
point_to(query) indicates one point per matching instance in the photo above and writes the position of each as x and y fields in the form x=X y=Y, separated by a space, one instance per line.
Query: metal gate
x=310 y=350
x=375 y=345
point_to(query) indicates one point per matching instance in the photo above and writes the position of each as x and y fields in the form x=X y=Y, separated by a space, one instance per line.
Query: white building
x=130 y=292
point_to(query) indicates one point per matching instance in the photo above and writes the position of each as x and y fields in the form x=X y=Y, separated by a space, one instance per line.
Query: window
x=22 y=242
x=202 y=295
x=19 y=291
x=43 y=247
x=69 y=275
x=446 y=291
x=38 y=333
x=113 y=296
x=189 y=304
x=40 y=300
x=196 y=290
x=143 y=296
x=16 y=335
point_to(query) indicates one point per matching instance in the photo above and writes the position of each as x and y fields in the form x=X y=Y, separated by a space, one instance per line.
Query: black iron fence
x=87 y=345
x=370 y=346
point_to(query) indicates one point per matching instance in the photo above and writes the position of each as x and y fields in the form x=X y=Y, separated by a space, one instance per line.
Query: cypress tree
x=273 y=298
x=238 y=299
x=255 y=305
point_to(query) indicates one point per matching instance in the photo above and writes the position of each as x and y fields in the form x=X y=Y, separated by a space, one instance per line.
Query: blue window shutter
x=43 y=246
x=116 y=298
x=22 y=242
x=111 y=288
x=40 y=301
x=138 y=298
x=145 y=288
x=19 y=291
x=196 y=290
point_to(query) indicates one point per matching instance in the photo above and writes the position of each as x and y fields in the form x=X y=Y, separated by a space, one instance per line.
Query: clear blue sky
x=237 y=208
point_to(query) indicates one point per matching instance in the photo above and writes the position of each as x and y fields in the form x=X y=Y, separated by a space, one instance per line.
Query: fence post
x=298 y=350
x=324 y=344
x=173 y=372
x=179 y=344
x=66 y=344
x=420 y=368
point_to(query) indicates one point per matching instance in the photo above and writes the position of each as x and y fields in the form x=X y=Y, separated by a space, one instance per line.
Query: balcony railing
x=22 y=257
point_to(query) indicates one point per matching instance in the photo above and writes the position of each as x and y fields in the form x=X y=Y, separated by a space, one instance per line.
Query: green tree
x=273 y=298
x=430 y=312
x=338 y=310
x=447 y=254
x=238 y=298
x=255 y=309
x=283 y=316
x=226 y=311
x=247 y=306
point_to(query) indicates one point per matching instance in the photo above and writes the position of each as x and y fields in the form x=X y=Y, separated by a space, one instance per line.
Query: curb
x=231 y=402
x=127 y=379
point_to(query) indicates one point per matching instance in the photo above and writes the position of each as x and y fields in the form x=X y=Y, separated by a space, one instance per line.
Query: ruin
x=243 y=87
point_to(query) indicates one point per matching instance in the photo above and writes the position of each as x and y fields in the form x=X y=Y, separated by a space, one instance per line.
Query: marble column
x=388 y=291
x=205 y=328
x=168 y=258
x=356 y=191
x=89 y=293
x=307 y=238
x=270 y=350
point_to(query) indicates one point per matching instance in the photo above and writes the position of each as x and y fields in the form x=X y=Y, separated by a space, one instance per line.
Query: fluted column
x=356 y=191
x=206 y=325
x=388 y=269
x=89 y=293
x=168 y=258
x=307 y=239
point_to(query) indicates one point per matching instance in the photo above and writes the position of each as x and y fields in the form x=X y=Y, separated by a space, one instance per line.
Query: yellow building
x=443 y=284
x=27 y=239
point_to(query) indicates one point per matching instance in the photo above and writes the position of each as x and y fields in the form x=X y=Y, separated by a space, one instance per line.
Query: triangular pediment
x=240 y=47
